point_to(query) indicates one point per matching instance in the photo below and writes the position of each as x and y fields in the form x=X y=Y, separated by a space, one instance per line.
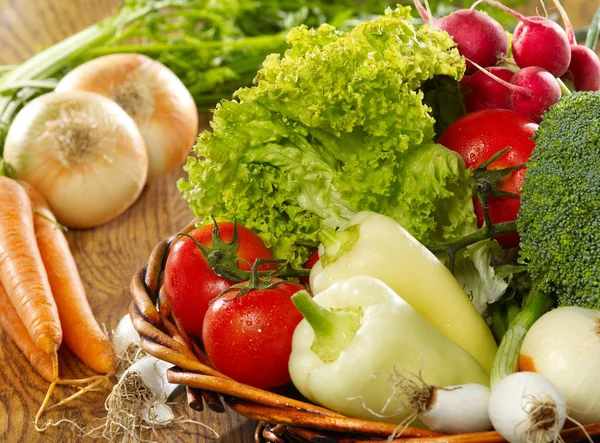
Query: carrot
x=15 y=329
x=81 y=332
x=22 y=271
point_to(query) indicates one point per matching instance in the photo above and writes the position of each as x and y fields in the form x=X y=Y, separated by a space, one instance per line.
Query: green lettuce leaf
x=336 y=125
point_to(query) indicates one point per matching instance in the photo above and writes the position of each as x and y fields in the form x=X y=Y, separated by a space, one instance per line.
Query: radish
x=584 y=70
x=531 y=91
x=534 y=91
x=583 y=73
x=539 y=41
x=484 y=92
x=478 y=37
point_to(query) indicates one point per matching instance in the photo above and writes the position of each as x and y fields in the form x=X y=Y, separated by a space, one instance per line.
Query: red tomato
x=249 y=337
x=477 y=137
x=314 y=257
x=189 y=281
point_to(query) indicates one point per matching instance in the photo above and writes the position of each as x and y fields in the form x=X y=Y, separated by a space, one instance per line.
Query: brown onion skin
x=152 y=95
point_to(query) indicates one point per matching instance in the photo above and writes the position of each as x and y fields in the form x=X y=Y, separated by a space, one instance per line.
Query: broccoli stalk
x=558 y=221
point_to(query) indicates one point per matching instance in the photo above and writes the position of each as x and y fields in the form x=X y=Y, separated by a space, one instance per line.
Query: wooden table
x=109 y=255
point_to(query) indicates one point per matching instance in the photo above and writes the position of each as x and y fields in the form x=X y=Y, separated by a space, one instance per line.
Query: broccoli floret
x=559 y=219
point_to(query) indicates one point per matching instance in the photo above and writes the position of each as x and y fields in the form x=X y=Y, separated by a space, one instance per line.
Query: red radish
x=539 y=41
x=584 y=70
x=484 y=92
x=531 y=91
x=583 y=73
x=478 y=37
x=538 y=90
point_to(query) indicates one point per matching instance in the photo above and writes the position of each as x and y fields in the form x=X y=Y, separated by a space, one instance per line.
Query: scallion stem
x=40 y=84
x=591 y=38
x=507 y=357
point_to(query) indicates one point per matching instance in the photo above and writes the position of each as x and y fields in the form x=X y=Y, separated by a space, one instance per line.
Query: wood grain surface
x=107 y=258
x=109 y=255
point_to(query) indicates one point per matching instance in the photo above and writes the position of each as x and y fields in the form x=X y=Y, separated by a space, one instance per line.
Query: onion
x=152 y=95
x=564 y=346
x=82 y=152
x=526 y=407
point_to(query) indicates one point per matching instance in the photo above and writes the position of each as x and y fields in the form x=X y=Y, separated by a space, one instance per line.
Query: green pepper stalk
x=357 y=337
x=334 y=330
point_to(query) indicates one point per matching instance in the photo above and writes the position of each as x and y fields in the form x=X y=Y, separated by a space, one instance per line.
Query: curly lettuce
x=336 y=125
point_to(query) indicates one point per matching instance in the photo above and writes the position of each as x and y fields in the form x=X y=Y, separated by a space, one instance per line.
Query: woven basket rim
x=278 y=416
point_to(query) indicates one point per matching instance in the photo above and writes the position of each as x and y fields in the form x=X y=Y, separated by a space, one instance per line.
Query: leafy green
x=335 y=126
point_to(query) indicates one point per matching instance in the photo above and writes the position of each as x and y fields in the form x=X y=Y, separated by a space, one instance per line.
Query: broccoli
x=559 y=219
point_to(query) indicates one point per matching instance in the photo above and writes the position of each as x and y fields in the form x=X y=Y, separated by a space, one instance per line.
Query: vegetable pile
x=384 y=215
x=337 y=125
x=357 y=142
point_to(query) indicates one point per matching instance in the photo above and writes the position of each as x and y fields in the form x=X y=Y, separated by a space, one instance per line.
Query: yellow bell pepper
x=356 y=336
x=376 y=245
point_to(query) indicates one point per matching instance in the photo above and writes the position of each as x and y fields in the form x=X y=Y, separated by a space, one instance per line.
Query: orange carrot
x=15 y=329
x=22 y=271
x=81 y=332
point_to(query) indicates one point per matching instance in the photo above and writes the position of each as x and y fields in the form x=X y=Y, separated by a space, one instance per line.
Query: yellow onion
x=564 y=346
x=152 y=95
x=82 y=152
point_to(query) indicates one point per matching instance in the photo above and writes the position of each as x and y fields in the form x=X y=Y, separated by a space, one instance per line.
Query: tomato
x=477 y=137
x=189 y=280
x=248 y=336
x=314 y=257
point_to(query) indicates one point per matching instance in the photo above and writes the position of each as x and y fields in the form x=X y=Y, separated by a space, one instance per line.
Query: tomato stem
x=222 y=259
x=484 y=184
x=270 y=278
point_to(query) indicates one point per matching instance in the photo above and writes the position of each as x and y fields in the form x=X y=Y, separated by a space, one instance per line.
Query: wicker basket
x=281 y=416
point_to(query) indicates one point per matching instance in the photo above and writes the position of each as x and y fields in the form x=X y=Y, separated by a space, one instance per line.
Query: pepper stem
x=337 y=243
x=334 y=330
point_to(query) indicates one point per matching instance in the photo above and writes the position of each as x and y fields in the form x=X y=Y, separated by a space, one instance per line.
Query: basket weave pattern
x=280 y=418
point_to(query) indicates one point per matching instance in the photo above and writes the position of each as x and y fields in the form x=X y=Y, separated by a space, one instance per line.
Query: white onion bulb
x=82 y=152
x=152 y=95
x=526 y=407
x=564 y=346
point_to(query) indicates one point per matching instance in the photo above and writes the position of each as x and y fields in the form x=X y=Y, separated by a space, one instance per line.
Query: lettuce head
x=336 y=125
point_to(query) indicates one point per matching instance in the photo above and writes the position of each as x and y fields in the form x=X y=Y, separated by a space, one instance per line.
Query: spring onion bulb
x=564 y=346
x=152 y=95
x=451 y=409
x=458 y=409
x=526 y=407
x=82 y=152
